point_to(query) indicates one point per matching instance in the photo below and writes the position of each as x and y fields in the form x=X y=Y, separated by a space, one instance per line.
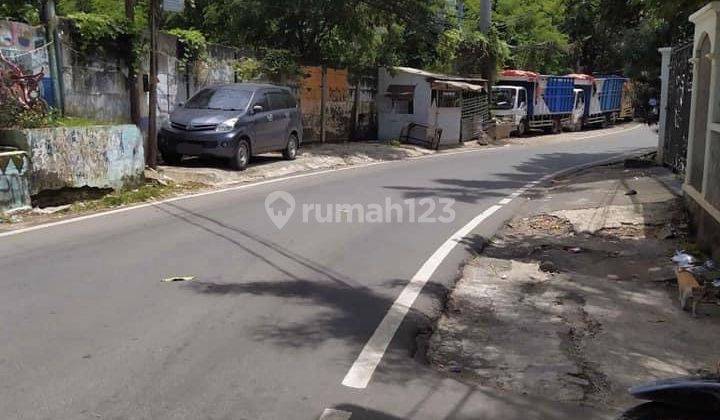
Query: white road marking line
x=258 y=183
x=505 y=201
x=372 y=353
x=518 y=193
x=362 y=370
x=332 y=414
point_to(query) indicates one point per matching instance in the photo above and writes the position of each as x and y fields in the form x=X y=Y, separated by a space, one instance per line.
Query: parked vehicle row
x=234 y=122
x=552 y=103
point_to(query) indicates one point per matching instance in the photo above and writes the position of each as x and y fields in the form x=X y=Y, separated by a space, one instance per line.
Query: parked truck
x=602 y=96
x=533 y=101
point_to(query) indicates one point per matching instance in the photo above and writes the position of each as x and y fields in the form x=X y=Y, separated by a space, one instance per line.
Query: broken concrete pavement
x=602 y=315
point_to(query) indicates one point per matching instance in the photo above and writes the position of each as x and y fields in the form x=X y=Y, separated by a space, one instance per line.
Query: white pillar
x=664 y=83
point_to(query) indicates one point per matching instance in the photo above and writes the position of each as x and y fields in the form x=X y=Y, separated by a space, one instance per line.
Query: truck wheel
x=604 y=123
x=242 y=156
x=522 y=128
x=557 y=127
x=613 y=118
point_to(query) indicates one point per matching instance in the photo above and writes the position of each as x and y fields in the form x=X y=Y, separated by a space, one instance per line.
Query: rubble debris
x=683 y=259
x=549 y=267
x=639 y=162
x=51 y=210
x=667 y=232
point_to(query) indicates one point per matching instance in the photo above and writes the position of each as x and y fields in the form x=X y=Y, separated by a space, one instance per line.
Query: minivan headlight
x=227 y=125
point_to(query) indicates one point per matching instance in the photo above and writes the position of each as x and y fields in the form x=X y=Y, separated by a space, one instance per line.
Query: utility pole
x=485 y=15
x=151 y=152
x=485 y=25
x=54 y=53
x=132 y=71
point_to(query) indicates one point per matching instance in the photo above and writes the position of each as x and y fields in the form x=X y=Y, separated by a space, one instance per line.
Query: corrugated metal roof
x=438 y=76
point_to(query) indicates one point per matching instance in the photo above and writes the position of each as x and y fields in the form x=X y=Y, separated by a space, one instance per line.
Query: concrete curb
x=605 y=162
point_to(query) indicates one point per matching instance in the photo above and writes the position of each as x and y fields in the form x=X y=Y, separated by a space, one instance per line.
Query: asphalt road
x=275 y=318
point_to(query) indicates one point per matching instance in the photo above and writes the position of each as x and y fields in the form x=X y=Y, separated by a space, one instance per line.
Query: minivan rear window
x=277 y=100
x=223 y=98
x=289 y=100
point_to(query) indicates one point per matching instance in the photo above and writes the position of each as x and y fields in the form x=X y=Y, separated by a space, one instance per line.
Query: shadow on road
x=501 y=184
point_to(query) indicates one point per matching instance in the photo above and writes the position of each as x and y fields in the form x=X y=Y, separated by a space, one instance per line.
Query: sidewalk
x=318 y=156
x=311 y=157
x=577 y=302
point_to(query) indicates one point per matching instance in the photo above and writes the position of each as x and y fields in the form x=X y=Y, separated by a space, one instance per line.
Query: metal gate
x=677 y=120
x=475 y=115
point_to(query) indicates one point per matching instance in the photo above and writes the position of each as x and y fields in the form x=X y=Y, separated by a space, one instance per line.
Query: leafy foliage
x=548 y=36
x=21 y=10
x=193 y=44
x=94 y=32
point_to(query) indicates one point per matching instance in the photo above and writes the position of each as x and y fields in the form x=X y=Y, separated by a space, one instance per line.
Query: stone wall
x=73 y=157
x=14 y=182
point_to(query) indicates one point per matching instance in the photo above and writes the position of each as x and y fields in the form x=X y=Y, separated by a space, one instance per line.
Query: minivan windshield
x=503 y=98
x=221 y=98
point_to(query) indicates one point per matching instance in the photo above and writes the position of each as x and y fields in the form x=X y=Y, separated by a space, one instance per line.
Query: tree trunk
x=323 y=101
x=356 y=111
x=132 y=71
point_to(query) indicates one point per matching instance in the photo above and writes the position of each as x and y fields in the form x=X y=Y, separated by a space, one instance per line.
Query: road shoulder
x=577 y=301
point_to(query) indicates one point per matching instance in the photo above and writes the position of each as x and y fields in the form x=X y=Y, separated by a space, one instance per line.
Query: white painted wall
x=449 y=120
x=389 y=122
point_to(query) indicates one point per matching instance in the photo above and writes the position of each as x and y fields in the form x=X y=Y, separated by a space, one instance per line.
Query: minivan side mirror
x=257 y=108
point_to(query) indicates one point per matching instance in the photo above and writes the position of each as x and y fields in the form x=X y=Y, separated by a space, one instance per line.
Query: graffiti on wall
x=19 y=42
x=14 y=187
x=339 y=105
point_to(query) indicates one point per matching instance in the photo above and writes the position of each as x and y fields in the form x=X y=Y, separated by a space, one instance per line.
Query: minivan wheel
x=171 y=158
x=242 y=156
x=290 y=152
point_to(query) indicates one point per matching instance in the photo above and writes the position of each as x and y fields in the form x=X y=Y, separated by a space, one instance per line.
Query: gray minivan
x=233 y=121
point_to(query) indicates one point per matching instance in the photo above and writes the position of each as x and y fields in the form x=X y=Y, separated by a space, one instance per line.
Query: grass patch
x=150 y=191
x=78 y=122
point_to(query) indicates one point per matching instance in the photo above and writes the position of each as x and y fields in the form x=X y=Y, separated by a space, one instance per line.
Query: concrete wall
x=97 y=86
x=177 y=84
x=94 y=86
x=14 y=181
x=702 y=183
x=95 y=156
x=390 y=123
